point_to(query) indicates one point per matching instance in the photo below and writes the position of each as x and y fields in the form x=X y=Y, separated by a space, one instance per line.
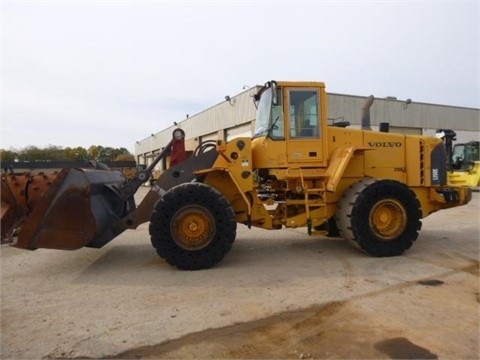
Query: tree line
x=58 y=153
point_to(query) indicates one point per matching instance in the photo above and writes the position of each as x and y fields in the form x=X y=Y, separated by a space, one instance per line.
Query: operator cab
x=465 y=155
x=290 y=120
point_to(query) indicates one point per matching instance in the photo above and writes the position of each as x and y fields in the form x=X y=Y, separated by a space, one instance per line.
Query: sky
x=110 y=73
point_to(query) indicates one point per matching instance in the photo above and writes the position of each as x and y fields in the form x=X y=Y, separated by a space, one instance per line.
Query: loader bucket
x=78 y=209
x=19 y=194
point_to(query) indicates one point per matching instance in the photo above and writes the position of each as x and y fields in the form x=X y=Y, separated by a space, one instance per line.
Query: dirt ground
x=277 y=295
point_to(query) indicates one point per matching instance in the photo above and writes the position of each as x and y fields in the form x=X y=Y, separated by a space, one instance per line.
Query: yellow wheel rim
x=193 y=227
x=388 y=219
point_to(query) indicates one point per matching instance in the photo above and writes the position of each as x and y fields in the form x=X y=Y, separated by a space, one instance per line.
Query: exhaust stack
x=366 y=113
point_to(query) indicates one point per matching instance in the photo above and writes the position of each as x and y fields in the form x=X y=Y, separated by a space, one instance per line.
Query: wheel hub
x=193 y=227
x=388 y=219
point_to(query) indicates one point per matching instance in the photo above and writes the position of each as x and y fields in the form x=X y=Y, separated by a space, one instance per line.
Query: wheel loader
x=463 y=160
x=465 y=164
x=297 y=170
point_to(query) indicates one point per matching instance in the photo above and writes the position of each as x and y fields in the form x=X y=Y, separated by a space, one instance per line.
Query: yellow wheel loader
x=297 y=170
x=463 y=160
x=465 y=165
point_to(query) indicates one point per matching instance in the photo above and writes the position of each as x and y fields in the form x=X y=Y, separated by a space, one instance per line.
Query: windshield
x=465 y=153
x=269 y=120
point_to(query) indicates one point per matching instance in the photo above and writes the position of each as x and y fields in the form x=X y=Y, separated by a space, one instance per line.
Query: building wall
x=236 y=117
x=412 y=117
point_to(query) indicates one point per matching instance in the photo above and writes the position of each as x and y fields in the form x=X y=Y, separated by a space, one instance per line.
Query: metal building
x=235 y=116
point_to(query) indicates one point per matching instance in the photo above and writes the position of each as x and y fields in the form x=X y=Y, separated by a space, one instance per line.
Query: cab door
x=305 y=126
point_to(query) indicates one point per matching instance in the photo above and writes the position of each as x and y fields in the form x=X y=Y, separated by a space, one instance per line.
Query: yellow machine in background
x=465 y=165
x=296 y=171
x=463 y=160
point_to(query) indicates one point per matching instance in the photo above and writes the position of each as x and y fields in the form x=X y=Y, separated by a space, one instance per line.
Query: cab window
x=277 y=131
x=303 y=111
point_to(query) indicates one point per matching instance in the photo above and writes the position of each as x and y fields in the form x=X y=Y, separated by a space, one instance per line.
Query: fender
x=338 y=163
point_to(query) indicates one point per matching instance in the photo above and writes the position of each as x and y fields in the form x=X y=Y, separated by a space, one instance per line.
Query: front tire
x=382 y=217
x=193 y=226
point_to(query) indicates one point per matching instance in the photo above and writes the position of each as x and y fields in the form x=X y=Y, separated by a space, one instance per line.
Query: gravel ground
x=278 y=294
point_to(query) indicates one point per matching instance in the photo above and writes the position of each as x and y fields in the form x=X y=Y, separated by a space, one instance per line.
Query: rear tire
x=382 y=217
x=193 y=226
